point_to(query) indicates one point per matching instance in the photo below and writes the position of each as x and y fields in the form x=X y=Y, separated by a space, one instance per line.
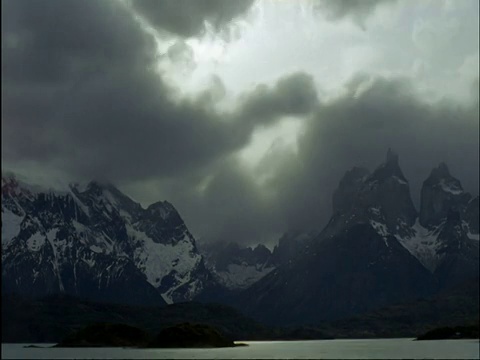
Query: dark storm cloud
x=358 y=10
x=80 y=94
x=49 y=51
x=187 y=18
x=293 y=95
x=50 y=41
x=87 y=98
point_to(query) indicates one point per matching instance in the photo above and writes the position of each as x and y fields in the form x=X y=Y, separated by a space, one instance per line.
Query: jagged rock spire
x=392 y=157
x=389 y=169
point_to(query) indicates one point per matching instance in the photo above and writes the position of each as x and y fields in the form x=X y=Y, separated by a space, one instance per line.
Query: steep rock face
x=390 y=192
x=347 y=274
x=95 y=242
x=440 y=193
x=237 y=267
x=350 y=185
x=458 y=254
x=445 y=236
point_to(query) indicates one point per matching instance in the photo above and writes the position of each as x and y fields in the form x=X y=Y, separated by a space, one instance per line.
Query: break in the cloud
x=86 y=94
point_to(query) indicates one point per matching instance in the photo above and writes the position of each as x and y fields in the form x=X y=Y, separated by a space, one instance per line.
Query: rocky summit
x=441 y=192
x=446 y=223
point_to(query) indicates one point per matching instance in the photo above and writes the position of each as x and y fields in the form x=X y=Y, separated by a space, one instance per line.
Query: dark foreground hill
x=121 y=335
x=451 y=333
x=51 y=319
x=458 y=306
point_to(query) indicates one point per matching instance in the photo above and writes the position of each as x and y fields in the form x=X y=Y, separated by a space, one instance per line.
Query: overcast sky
x=244 y=114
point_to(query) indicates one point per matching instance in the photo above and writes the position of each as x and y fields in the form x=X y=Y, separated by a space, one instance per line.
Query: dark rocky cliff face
x=441 y=192
x=349 y=187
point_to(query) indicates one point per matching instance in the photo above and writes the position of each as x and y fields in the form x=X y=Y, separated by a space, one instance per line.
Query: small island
x=185 y=335
x=190 y=336
x=450 y=333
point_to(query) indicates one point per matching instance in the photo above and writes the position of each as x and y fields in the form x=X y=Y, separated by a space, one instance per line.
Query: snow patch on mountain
x=423 y=245
x=180 y=280
x=421 y=242
x=50 y=237
x=10 y=226
x=35 y=242
x=157 y=260
x=381 y=229
x=473 y=236
x=399 y=180
x=375 y=211
x=450 y=187
x=242 y=276
x=96 y=249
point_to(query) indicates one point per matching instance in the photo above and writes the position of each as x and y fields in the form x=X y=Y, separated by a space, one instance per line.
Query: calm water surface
x=318 y=349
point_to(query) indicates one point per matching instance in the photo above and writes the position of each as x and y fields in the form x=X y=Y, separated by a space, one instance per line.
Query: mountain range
x=377 y=250
x=95 y=242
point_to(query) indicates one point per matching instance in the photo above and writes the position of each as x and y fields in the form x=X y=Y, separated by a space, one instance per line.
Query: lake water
x=317 y=349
